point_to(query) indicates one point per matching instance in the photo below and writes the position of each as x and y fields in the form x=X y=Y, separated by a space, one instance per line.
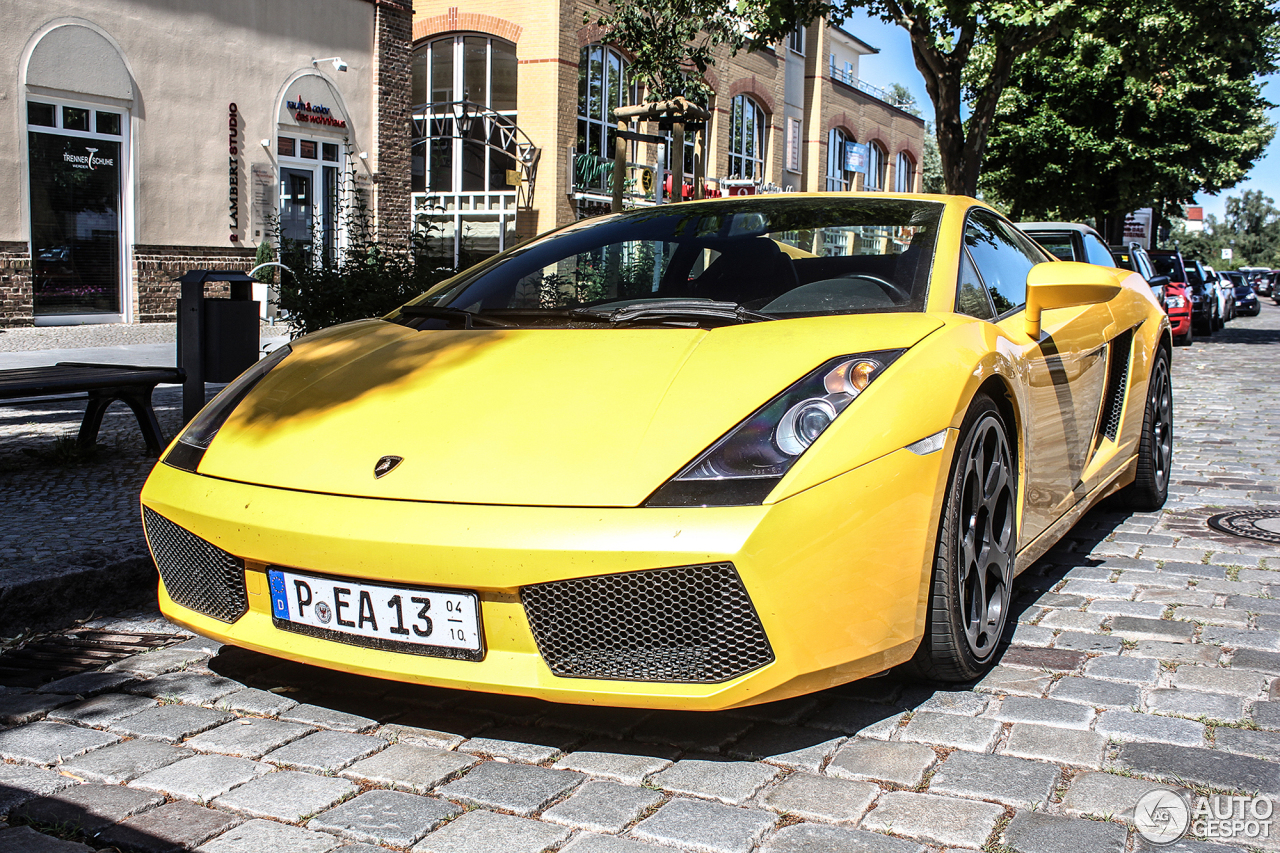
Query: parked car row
x=1198 y=299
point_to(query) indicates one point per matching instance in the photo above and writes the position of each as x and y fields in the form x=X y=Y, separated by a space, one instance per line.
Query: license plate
x=436 y=622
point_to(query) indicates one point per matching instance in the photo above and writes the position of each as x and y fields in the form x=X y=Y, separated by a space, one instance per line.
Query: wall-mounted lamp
x=364 y=155
x=266 y=143
x=338 y=63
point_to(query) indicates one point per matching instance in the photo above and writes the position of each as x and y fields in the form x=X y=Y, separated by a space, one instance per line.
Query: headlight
x=744 y=465
x=195 y=439
x=1176 y=302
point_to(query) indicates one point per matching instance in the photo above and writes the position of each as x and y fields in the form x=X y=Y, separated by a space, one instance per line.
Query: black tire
x=976 y=546
x=1150 y=486
x=1184 y=340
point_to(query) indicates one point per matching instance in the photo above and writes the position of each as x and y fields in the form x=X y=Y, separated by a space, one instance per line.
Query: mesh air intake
x=197 y=574
x=689 y=624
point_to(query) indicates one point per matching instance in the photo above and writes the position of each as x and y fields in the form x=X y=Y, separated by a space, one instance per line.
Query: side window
x=971 y=297
x=1096 y=253
x=1002 y=258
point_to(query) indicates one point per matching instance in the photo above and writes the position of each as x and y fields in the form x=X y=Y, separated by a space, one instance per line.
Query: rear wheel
x=1150 y=486
x=973 y=562
x=1183 y=340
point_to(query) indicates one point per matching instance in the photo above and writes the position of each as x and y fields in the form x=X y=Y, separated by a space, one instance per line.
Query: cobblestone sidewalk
x=1146 y=653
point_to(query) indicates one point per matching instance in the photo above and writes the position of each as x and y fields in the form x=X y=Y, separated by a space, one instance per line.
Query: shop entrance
x=76 y=245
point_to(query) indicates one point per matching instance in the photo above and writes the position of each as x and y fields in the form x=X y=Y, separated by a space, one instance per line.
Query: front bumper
x=838 y=574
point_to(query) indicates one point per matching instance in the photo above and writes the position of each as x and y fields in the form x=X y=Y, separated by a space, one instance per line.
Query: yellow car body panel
x=529 y=453
x=842 y=606
x=585 y=417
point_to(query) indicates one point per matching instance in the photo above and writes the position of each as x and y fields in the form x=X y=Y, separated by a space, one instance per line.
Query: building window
x=746 y=139
x=904 y=174
x=464 y=147
x=795 y=41
x=793 y=144
x=838 y=178
x=603 y=86
x=76 y=167
x=876 y=161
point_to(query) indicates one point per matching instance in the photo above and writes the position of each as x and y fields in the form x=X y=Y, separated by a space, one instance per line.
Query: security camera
x=336 y=61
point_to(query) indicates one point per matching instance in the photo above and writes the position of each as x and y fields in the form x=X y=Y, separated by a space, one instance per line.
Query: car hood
x=547 y=417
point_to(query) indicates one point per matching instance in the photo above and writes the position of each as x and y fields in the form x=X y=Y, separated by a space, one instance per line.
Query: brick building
x=143 y=138
x=513 y=129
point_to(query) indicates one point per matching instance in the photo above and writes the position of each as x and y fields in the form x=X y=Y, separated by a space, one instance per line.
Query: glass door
x=297 y=212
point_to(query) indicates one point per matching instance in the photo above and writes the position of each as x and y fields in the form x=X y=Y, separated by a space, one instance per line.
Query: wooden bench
x=104 y=383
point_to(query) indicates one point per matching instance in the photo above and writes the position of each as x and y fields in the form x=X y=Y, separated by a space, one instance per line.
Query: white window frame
x=794 y=131
x=796 y=40
x=457 y=205
x=838 y=179
x=742 y=109
x=877 y=159
x=126 y=200
x=904 y=179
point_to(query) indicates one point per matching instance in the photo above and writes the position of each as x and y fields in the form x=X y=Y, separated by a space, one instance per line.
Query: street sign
x=1227 y=254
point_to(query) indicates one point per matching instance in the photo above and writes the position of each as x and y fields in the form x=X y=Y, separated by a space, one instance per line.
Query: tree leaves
x=1146 y=102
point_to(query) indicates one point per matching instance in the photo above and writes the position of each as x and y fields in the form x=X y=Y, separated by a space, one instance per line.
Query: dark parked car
x=1246 y=300
x=1069 y=241
x=1204 y=305
x=1172 y=297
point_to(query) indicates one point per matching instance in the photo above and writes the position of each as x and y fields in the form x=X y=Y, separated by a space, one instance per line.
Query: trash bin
x=217 y=338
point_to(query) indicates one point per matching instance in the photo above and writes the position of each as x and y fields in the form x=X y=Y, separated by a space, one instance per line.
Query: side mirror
x=1158 y=280
x=1064 y=284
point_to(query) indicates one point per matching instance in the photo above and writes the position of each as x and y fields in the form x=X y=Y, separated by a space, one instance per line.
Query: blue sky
x=894 y=65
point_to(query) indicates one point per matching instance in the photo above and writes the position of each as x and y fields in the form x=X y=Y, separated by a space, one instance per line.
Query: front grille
x=198 y=575
x=692 y=624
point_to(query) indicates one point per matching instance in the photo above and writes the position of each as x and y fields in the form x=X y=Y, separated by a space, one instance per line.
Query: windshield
x=1168 y=265
x=778 y=257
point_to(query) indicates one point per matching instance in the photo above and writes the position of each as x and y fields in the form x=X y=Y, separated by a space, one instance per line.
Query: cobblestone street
x=1147 y=653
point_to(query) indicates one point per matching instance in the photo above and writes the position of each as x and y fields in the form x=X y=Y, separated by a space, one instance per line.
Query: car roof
x=1058 y=226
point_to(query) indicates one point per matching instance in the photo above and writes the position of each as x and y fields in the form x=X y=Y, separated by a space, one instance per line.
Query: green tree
x=1250 y=228
x=900 y=96
x=671 y=39
x=1105 y=123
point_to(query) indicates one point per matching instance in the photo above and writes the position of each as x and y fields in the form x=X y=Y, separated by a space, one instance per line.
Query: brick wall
x=15 y=284
x=156 y=267
x=393 y=55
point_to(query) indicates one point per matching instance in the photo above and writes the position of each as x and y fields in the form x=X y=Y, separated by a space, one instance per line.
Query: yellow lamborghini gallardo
x=692 y=456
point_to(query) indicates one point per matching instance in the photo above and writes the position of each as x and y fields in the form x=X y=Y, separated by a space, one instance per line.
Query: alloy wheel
x=986 y=534
x=1161 y=423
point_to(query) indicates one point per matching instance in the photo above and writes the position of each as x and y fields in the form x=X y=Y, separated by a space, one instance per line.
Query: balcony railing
x=863 y=86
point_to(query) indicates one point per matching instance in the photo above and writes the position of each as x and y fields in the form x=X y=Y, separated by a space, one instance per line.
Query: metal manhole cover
x=1261 y=524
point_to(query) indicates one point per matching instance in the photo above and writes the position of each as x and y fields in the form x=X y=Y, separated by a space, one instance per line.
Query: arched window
x=904 y=174
x=838 y=179
x=876 y=161
x=464 y=89
x=746 y=139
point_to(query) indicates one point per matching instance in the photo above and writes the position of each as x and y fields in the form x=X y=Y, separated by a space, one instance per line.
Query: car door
x=1065 y=371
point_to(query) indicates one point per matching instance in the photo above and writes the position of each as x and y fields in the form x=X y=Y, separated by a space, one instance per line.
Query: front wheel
x=1150 y=487
x=973 y=562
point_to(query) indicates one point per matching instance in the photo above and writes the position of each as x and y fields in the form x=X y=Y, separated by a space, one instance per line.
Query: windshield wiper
x=469 y=319
x=681 y=309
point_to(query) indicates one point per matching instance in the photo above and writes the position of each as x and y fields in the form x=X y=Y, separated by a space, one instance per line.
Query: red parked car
x=1172 y=295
